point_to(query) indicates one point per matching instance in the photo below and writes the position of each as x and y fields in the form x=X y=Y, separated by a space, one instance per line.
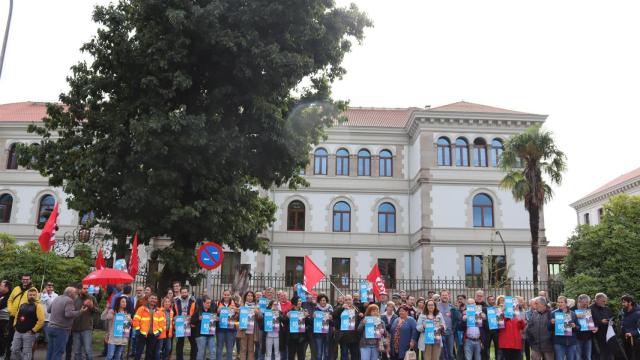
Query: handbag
x=410 y=355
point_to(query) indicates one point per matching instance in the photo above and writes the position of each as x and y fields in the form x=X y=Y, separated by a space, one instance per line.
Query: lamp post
x=6 y=36
x=504 y=252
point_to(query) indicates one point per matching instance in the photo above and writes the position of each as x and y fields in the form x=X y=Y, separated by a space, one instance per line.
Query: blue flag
x=429 y=332
x=508 y=307
x=492 y=317
x=471 y=315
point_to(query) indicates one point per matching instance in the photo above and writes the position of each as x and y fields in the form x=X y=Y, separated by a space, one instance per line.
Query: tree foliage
x=604 y=257
x=528 y=159
x=185 y=112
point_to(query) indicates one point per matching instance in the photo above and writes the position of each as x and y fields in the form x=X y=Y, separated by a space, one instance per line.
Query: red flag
x=48 y=236
x=133 y=261
x=376 y=280
x=100 y=262
x=312 y=274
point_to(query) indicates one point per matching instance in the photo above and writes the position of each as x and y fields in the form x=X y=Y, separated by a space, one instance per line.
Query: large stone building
x=414 y=190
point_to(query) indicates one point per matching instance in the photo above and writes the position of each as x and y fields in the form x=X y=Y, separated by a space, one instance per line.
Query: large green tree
x=605 y=257
x=185 y=112
x=532 y=162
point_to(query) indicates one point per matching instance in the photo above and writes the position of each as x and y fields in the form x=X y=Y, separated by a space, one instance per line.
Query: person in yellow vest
x=148 y=323
x=29 y=320
x=17 y=297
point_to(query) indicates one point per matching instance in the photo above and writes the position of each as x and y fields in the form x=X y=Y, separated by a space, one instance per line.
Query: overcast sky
x=577 y=61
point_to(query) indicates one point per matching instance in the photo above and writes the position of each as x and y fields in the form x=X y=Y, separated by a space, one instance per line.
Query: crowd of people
x=268 y=325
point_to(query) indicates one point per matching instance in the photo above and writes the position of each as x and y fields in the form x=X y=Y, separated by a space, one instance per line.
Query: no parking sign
x=210 y=255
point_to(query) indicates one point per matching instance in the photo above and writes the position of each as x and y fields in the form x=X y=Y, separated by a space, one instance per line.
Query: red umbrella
x=106 y=277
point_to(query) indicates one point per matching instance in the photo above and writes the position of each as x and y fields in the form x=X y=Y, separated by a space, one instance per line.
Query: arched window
x=12 y=158
x=295 y=216
x=386 y=163
x=342 y=162
x=47 y=203
x=482 y=211
x=386 y=218
x=444 y=152
x=496 y=151
x=6 y=202
x=341 y=217
x=320 y=162
x=364 y=163
x=462 y=152
x=480 y=152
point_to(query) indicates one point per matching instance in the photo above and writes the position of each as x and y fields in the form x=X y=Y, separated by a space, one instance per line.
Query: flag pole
x=334 y=285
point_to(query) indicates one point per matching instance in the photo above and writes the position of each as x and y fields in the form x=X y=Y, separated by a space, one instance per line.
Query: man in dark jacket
x=451 y=318
x=539 y=331
x=29 y=320
x=349 y=340
x=82 y=329
x=630 y=318
x=5 y=344
x=185 y=305
x=601 y=315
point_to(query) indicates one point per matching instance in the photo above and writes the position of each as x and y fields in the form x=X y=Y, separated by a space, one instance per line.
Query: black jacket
x=600 y=313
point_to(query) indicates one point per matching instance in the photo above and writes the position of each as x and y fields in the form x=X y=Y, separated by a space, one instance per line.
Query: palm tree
x=526 y=157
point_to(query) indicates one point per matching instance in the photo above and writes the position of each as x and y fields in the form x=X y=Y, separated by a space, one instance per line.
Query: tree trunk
x=534 y=226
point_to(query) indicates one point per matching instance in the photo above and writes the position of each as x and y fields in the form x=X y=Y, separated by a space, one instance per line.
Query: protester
x=451 y=316
x=431 y=312
x=272 y=337
x=17 y=297
x=5 y=345
x=630 y=317
x=492 y=336
x=322 y=339
x=347 y=335
x=472 y=334
x=584 y=336
x=82 y=329
x=46 y=298
x=28 y=321
x=371 y=347
x=564 y=345
x=116 y=344
x=165 y=341
x=206 y=341
x=63 y=312
x=403 y=334
x=247 y=337
x=297 y=342
x=539 y=331
x=185 y=306
x=601 y=316
x=148 y=322
x=510 y=338
x=226 y=333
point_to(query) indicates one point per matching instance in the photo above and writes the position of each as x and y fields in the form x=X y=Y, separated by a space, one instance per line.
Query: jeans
x=535 y=355
x=206 y=343
x=322 y=347
x=349 y=348
x=472 y=349
x=82 y=344
x=565 y=350
x=163 y=350
x=369 y=353
x=272 y=347
x=56 y=342
x=114 y=352
x=226 y=339
x=447 y=347
x=583 y=349
x=22 y=345
x=259 y=345
x=180 y=348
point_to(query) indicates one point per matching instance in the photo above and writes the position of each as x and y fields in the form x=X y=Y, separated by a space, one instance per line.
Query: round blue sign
x=210 y=255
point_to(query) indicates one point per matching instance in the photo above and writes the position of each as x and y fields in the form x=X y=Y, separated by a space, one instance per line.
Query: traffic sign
x=210 y=255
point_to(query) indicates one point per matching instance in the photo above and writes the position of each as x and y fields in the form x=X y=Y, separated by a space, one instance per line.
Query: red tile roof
x=23 y=111
x=557 y=251
x=378 y=117
x=463 y=106
x=617 y=181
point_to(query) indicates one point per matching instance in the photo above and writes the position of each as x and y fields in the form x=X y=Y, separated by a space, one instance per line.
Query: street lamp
x=6 y=36
x=504 y=252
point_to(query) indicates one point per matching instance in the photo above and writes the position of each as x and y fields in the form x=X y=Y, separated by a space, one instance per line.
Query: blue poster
x=318 y=320
x=429 y=332
x=262 y=303
x=301 y=293
x=370 y=327
x=207 y=326
x=508 y=307
x=268 y=320
x=348 y=320
x=364 y=297
x=179 y=326
x=471 y=315
x=294 y=321
x=118 y=325
x=244 y=317
x=492 y=317
x=559 y=326
x=582 y=321
x=224 y=318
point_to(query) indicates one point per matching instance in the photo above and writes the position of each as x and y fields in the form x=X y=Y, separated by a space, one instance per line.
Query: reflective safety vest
x=142 y=321
x=167 y=330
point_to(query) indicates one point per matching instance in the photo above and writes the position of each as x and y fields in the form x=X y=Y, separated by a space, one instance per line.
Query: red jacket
x=510 y=337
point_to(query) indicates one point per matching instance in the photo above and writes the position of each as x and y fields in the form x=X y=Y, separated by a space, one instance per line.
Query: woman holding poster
x=227 y=315
x=118 y=329
x=205 y=328
x=510 y=338
x=431 y=326
x=347 y=318
x=564 y=335
x=247 y=329
x=373 y=334
x=165 y=341
x=322 y=322
x=296 y=326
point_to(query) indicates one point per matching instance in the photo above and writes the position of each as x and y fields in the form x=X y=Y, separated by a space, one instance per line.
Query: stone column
x=353 y=165
x=375 y=165
x=398 y=168
x=331 y=165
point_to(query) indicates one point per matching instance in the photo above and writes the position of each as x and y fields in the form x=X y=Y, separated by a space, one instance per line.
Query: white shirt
x=46 y=300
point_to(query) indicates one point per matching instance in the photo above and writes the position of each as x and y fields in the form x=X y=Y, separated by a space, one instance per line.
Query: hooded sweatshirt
x=30 y=316
x=18 y=297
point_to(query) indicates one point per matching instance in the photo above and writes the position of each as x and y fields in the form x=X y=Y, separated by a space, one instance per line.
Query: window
x=341 y=217
x=6 y=202
x=388 y=271
x=229 y=266
x=341 y=271
x=386 y=163
x=479 y=152
x=444 y=152
x=47 y=203
x=386 y=218
x=586 y=219
x=462 y=152
x=295 y=216
x=554 y=270
x=498 y=268
x=600 y=215
x=12 y=158
x=294 y=270
x=482 y=211
x=320 y=157
x=473 y=270
x=496 y=151
x=364 y=163
x=342 y=162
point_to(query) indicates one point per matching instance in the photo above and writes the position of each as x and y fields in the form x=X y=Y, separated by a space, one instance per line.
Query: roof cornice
x=606 y=193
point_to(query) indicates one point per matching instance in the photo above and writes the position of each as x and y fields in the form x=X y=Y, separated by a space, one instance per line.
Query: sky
x=576 y=61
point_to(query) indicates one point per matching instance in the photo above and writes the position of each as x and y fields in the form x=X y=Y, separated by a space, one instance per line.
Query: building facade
x=414 y=190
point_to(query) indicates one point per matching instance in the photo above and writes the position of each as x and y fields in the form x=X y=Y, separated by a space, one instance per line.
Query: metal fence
x=215 y=284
